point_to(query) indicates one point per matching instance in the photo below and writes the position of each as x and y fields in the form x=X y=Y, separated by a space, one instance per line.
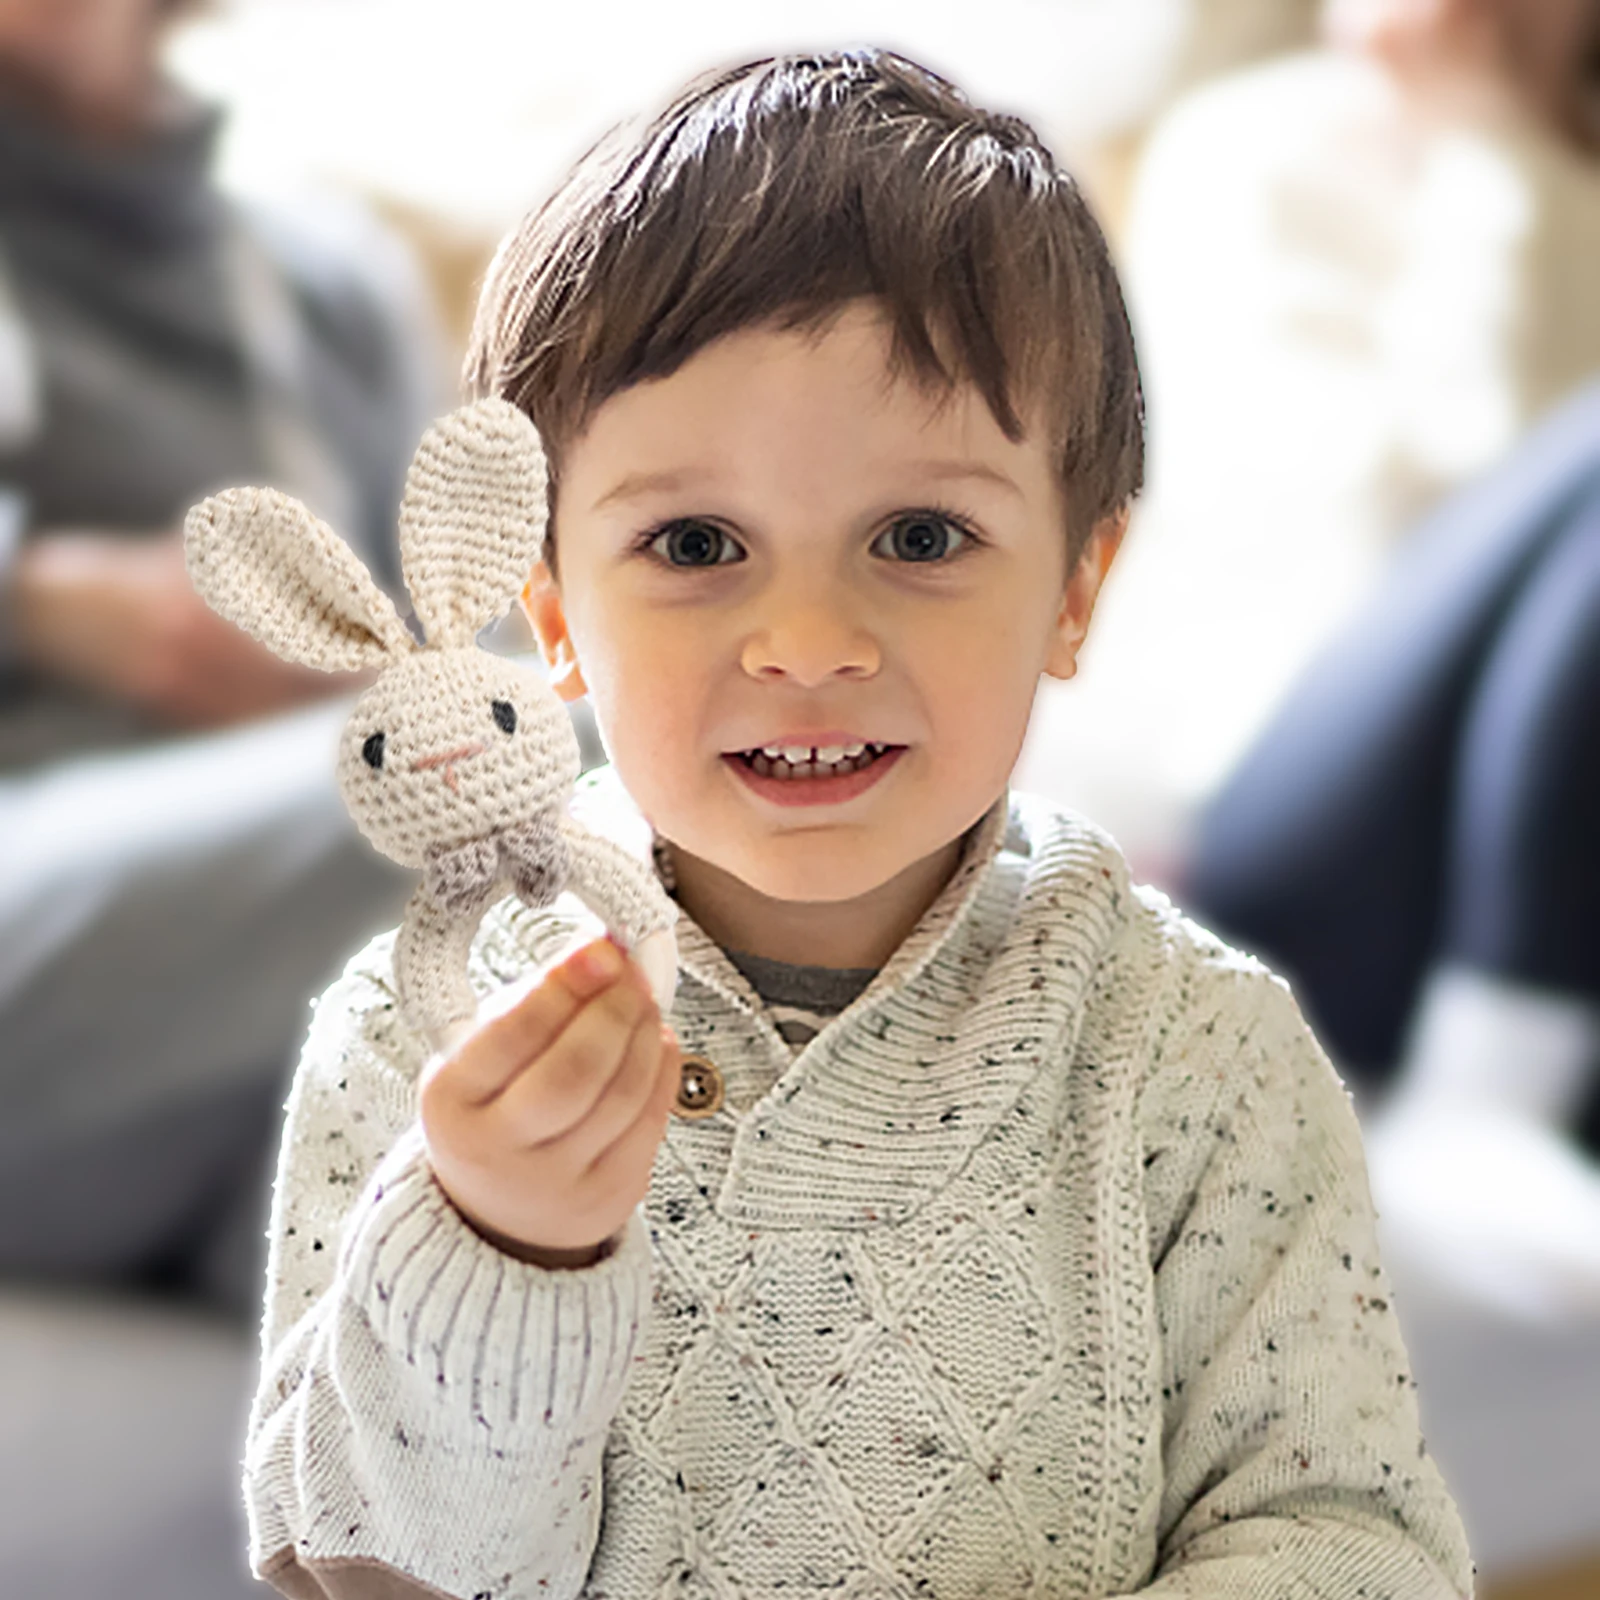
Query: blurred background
x=1342 y=699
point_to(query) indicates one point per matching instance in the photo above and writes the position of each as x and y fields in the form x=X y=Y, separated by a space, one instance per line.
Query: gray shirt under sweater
x=800 y=999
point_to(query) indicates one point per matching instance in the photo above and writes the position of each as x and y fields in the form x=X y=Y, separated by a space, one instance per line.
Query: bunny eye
x=505 y=715
x=372 y=751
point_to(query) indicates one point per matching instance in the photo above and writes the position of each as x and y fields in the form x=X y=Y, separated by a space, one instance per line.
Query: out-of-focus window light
x=469 y=109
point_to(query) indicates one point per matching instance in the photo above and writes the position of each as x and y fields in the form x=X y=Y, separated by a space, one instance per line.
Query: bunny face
x=452 y=745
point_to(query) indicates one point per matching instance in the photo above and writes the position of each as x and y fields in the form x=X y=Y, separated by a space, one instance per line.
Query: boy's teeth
x=793 y=761
x=794 y=754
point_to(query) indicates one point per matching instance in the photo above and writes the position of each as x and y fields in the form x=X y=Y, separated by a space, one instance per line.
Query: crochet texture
x=456 y=760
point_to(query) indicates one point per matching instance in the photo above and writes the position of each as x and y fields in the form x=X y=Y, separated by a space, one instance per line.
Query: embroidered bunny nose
x=447 y=759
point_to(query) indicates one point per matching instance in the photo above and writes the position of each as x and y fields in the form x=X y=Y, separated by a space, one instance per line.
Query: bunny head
x=451 y=745
x=451 y=742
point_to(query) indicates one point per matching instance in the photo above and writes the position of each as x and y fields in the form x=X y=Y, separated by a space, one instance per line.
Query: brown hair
x=776 y=192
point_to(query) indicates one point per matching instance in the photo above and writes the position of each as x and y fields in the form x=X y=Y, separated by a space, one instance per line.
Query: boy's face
x=780 y=546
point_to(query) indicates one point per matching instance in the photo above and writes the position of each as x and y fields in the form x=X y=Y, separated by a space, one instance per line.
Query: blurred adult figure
x=1416 y=842
x=1181 y=44
x=1221 y=36
x=177 y=875
x=1358 y=274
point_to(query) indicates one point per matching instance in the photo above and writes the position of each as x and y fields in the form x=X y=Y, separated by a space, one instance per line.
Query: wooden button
x=699 y=1089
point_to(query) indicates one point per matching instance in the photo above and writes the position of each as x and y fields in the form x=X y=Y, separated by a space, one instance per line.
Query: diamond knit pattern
x=928 y=1429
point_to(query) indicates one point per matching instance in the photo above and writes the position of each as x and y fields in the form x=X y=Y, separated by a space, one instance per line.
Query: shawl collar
x=892 y=1097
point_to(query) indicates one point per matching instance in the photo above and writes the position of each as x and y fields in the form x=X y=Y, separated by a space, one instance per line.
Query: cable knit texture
x=456 y=760
x=1047 y=1267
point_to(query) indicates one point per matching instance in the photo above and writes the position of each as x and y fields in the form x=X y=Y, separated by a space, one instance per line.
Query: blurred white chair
x=121 y=1427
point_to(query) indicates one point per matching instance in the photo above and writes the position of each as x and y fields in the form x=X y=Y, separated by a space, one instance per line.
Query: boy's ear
x=541 y=604
x=1082 y=590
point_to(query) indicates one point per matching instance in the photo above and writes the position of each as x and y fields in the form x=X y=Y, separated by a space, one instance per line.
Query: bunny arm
x=442 y=916
x=626 y=895
x=460 y=883
x=430 y=961
x=619 y=888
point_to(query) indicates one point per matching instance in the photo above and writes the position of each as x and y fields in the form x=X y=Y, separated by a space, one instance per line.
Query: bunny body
x=455 y=760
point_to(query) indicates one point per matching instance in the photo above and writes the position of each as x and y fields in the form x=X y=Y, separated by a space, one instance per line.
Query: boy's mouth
x=832 y=775
x=813 y=761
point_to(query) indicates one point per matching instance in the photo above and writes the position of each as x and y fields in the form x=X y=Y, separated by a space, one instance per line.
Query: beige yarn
x=456 y=760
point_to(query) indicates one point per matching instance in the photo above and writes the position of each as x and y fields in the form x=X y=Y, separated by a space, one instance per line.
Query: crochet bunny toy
x=456 y=760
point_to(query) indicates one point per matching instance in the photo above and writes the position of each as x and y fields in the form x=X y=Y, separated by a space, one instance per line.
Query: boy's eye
x=921 y=536
x=691 y=543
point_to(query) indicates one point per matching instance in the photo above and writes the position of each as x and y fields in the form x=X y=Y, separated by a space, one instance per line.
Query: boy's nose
x=809 y=642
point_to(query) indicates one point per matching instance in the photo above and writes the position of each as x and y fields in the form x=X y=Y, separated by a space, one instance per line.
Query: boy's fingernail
x=599 y=961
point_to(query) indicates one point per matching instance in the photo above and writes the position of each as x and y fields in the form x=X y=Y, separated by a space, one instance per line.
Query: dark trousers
x=1430 y=793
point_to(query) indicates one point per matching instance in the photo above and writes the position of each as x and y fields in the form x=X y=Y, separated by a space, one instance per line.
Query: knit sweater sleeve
x=1294 y=1460
x=431 y=1413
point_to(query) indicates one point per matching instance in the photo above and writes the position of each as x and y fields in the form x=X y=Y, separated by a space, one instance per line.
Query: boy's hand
x=542 y=1125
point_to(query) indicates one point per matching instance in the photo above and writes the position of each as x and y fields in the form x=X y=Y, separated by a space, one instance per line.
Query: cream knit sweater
x=1046 y=1268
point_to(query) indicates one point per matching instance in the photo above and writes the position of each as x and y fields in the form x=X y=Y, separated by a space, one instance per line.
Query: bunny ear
x=262 y=560
x=472 y=521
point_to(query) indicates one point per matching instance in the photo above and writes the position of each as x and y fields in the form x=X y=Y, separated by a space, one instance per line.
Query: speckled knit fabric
x=1046 y=1268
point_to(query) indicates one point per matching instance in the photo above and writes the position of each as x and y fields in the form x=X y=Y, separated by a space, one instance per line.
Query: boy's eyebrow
x=943 y=471
x=670 y=481
x=638 y=483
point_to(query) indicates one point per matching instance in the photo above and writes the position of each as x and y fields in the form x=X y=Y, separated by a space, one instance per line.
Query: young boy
x=980 y=1227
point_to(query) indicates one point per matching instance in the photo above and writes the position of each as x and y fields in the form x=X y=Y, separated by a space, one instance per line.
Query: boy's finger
x=617 y=1107
x=625 y=1165
x=560 y=1089
x=519 y=1027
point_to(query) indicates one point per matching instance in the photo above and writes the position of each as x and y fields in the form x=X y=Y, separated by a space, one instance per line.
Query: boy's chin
x=827 y=872
x=806 y=872
x=818 y=883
